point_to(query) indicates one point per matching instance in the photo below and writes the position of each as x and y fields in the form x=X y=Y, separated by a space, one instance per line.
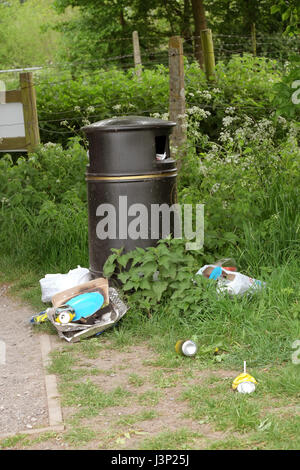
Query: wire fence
x=225 y=45
x=62 y=73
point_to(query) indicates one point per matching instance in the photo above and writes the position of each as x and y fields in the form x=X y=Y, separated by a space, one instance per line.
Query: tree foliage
x=290 y=14
x=26 y=34
x=103 y=28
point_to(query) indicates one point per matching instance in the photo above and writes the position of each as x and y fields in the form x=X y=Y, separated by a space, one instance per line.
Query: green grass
x=11 y=442
x=25 y=440
x=162 y=379
x=225 y=409
x=214 y=401
x=136 y=380
x=150 y=398
x=272 y=433
x=79 y=436
x=90 y=398
x=131 y=419
x=260 y=330
x=182 y=439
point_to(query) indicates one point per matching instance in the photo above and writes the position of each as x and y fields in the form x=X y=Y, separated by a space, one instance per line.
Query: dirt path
x=23 y=404
x=23 y=396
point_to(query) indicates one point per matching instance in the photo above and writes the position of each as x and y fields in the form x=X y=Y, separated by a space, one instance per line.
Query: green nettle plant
x=164 y=274
x=286 y=93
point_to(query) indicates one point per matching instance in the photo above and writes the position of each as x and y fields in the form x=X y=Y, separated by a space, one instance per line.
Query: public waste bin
x=131 y=181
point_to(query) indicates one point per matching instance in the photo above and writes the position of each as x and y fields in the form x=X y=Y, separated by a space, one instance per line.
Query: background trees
x=36 y=32
x=87 y=33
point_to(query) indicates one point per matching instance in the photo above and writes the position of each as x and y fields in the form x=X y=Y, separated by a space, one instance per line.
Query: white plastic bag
x=52 y=284
x=238 y=283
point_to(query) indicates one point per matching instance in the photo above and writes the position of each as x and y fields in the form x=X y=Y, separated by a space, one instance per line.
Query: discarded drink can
x=64 y=316
x=186 y=348
x=244 y=383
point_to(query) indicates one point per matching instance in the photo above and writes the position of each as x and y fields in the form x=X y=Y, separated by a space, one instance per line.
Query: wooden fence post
x=177 y=96
x=208 y=52
x=253 y=39
x=32 y=133
x=137 y=54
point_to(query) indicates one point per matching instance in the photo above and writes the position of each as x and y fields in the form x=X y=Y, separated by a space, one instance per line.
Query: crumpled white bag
x=238 y=286
x=52 y=284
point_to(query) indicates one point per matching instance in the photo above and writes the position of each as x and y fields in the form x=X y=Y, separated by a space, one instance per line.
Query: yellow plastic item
x=40 y=318
x=244 y=377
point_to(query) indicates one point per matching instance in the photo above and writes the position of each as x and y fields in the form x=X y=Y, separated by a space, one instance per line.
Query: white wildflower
x=230 y=110
x=204 y=94
x=215 y=187
x=50 y=144
x=224 y=204
x=226 y=137
x=282 y=121
x=227 y=120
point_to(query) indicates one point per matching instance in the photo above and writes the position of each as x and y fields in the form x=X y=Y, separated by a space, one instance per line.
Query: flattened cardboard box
x=97 y=323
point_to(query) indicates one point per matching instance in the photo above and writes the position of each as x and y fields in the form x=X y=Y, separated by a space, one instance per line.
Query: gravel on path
x=23 y=400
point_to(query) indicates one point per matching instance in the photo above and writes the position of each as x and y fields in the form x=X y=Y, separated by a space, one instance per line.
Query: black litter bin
x=129 y=176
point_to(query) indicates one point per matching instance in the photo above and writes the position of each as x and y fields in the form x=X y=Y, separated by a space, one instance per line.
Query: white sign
x=12 y=120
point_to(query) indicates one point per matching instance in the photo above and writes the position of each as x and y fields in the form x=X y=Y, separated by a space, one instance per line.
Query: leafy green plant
x=43 y=213
x=160 y=272
x=286 y=92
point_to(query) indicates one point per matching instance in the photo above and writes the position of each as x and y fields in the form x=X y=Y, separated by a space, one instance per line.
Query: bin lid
x=127 y=123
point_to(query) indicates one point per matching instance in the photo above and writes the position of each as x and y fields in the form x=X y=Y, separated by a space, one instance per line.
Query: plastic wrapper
x=52 y=284
x=234 y=283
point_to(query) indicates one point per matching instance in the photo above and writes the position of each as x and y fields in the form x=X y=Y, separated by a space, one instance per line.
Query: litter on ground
x=84 y=310
x=229 y=280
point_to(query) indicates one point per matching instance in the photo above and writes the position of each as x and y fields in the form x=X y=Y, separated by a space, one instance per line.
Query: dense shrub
x=43 y=214
x=65 y=104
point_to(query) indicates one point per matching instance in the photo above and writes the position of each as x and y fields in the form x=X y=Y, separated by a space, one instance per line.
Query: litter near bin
x=229 y=280
x=161 y=156
x=97 y=285
x=186 y=348
x=51 y=284
x=39 y=318
x=75 y=317
x=81 y=306
x=244 y=383
x=95 y=324
x=65 y=316
x=85 y=305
